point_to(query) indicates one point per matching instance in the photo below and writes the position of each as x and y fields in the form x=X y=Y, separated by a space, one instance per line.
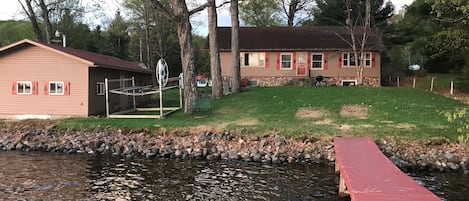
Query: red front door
x=301 y=64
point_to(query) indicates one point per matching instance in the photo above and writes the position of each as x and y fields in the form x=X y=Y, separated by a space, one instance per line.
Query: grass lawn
x=440 y=81
x=304 y=111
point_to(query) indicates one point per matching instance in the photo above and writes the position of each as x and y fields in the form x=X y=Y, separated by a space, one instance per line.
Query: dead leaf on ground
x=345 y=127
x=358 y=111
x=247 y=122
x=307 y=112
x=323 y=122
x=405 y=125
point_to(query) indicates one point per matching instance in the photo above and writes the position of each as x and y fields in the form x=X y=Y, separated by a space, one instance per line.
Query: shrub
x=461 y=118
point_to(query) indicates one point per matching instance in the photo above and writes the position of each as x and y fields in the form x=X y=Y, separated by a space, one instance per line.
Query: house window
x=252 y=59
x=56 y=88
x=100 y=88
x=348 y=59
x=316 y=61
x=246 y=59
x=349 y=83
x=24 y=87
x=301 y=58
x=285 y=61
x=367 y=59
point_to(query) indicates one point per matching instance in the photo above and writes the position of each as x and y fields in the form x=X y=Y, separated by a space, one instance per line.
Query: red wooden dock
x=368 y=175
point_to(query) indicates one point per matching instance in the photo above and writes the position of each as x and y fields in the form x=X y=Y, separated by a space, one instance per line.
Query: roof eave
x=299 y=49
x=27 y=41
x=144 y=71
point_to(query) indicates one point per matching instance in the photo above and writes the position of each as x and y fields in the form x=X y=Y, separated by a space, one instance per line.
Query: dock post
x=342 y=188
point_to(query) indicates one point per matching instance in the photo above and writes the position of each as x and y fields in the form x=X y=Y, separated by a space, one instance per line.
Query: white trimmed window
x=252 y=59
x=100 y=88
x=56 y=88
x=349 y=83
x=368 y=59
x=285 y=61
x=24 y=88
x=317 y=61
x=348 y=59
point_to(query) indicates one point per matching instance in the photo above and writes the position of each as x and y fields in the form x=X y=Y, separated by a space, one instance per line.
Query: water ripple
x=48 y=176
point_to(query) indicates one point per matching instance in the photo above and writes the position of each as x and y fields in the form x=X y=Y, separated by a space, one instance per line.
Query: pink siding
x=333 y=69
x=33 y=63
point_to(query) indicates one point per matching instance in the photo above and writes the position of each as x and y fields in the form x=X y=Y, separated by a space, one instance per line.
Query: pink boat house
x=39 y=80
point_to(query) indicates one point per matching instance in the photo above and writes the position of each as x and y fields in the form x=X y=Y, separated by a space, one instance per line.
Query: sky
x=11 y=10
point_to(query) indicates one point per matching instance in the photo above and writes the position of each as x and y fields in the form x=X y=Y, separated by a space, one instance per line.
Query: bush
x=460 y=117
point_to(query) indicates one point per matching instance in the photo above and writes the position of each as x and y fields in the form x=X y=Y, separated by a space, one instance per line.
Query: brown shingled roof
x=292 y=38
x=98 y=60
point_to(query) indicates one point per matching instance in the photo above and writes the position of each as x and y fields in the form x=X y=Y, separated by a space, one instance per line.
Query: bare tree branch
x=222 y=4
x=163 y=10
x=33 y=18
x=198 y=9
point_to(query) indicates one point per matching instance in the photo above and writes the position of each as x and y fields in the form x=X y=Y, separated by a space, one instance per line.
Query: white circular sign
x=162 y=72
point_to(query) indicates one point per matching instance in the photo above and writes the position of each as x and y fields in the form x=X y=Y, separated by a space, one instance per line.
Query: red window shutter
x=13 y=88
x=266 y=59
x=340 y=59
x=325 y=61
x=34 y=89
x=373 y=60
x=46 y=87
x=309 y=60
x=294 y=61
x=67 y=88
x=278 y=60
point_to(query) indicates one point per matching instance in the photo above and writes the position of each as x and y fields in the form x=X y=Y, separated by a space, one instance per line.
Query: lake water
x=53 y=176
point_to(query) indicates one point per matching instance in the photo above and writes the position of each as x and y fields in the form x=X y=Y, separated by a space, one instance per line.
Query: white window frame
x=312 y=61
x=56 y=84
x=260 y=56
x=351 y=81
x=100 y=88
x=30 y=83
x=346 y=59
x=368 y=59
x=282 y=61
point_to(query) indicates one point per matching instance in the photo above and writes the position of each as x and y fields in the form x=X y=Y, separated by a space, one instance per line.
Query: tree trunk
x=358 y=54
x=146 y=19
x=236 y=70
x=215 y=67
x=32 y=17
x=184 y=29
x=291 y=12
x=366 y=26
x=45 y=18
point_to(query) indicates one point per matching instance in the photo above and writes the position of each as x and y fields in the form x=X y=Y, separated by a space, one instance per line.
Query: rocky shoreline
x=423 y=155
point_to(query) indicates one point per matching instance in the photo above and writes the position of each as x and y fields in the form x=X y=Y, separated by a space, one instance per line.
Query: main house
x=39 y=80
x=274 y=56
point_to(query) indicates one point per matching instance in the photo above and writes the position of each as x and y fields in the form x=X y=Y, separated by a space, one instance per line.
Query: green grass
x=440 y=81
x=404 y=112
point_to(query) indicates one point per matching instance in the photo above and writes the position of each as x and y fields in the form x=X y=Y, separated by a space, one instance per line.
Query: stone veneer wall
x=367 y=81
x=282 y=81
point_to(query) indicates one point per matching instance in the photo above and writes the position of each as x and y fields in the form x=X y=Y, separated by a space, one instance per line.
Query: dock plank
x=369 y=175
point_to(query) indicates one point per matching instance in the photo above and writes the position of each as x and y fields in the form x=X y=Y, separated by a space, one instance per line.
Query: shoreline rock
x=410 y=155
